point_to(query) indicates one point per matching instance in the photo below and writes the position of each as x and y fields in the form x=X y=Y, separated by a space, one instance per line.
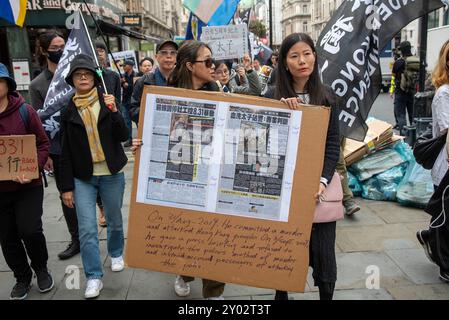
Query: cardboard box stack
x=379 y=136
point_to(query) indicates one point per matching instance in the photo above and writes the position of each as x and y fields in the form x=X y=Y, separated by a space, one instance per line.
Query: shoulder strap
x=25 y=116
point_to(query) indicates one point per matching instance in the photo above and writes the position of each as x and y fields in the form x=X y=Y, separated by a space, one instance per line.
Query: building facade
x=19 y=45
x=161 y=19
x=296 y=16
x=322 y=11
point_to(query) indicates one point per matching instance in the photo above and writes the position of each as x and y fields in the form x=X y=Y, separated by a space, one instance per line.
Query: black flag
x=245 y=15
x=59 y=92
x=348 y=52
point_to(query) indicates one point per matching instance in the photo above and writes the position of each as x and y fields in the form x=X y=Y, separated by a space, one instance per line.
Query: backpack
x=410 y=76
x=25 y=116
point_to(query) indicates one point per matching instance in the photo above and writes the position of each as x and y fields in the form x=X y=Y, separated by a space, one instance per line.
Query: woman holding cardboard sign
x=92 y=160
x=21 y=199
x=195 y=70
x=298 y=82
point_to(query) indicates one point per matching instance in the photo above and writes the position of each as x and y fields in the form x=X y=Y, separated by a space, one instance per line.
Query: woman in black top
x=298 y=81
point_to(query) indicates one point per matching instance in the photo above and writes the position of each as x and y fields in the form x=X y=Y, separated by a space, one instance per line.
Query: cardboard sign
x=231 y=239
x=18 y=156
x=227 y=42
x=120 y=57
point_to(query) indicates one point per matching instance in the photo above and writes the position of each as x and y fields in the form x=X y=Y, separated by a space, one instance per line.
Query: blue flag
x=59 y=92
x=194 y=28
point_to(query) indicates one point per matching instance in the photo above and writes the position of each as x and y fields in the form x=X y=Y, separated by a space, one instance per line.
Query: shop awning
x=114 y=30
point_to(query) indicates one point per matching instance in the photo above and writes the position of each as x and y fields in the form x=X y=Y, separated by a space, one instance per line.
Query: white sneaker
x=182 y=288
x=220 y=297
x=93 y=289
x=117 y=264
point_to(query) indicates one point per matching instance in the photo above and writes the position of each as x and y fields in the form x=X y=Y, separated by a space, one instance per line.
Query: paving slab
x=414 y=263
x=56 y=231
x=353 y=271
x=151 y=285
x=364 y=217
x=421 y=292
x=363 y=294
x=376 y=238
x=397 y=213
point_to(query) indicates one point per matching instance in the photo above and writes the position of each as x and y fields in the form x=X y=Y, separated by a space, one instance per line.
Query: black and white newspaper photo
x=218 y=157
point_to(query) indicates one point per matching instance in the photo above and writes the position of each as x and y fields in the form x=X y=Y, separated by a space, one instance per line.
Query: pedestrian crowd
x=87 y=158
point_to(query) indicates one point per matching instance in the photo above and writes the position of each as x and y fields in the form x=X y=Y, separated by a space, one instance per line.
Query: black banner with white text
x=348 y=52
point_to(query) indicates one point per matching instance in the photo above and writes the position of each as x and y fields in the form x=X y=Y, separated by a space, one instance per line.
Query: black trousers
x=322 y=260
x=21 y=220
x=439 y=237
x=69 y=213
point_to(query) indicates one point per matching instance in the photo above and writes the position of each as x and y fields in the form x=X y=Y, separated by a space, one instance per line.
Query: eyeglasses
x=80 y=75
x=222 y=72
x=166 y=53
x=209 y=62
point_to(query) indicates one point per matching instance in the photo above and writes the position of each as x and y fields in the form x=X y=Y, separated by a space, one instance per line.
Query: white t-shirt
x=440 y=113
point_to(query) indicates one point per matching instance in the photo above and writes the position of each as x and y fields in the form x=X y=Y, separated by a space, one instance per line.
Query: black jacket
x=76 y=158
x=332 y=151
x=112 y=82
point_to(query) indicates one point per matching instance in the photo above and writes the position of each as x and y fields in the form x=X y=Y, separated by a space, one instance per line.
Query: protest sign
x=18 y=156
x=226 y=214
x=120 y=58
x=227 y=42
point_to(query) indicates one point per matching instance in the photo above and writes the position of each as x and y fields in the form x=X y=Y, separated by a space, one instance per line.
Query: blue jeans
x=127 y=117
x=111 y=189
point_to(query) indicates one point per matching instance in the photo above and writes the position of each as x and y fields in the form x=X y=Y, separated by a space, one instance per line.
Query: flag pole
x=104 y=40
x=99 y=71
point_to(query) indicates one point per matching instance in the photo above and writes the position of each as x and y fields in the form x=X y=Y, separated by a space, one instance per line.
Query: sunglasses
x=209 y=62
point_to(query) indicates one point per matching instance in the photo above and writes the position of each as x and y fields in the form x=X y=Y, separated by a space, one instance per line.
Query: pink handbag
x=331 y=208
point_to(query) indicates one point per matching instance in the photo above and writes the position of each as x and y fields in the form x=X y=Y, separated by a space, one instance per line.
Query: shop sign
x=131 y=20
x=70 y=6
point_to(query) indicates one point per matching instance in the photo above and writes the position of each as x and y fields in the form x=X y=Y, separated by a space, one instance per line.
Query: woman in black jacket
x=298 y=81
x=92 y=160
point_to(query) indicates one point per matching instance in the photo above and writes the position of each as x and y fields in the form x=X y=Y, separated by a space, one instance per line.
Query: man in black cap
x=166 y=58
x=406 y=77
x=128 y=86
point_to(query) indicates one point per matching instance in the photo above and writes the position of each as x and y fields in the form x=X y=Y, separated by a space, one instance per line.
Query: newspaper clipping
x=177 y=160
x=218 y=157
x=256 y=177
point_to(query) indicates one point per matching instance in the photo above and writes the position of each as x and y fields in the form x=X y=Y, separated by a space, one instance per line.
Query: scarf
x=85 y=103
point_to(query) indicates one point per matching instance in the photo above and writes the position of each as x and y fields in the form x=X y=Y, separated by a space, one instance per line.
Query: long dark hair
x=181 y=76
x=43 y=43
x=319 y=94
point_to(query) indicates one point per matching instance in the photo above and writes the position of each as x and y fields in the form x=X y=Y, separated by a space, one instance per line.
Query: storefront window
x=433 y=19
x=114 y=44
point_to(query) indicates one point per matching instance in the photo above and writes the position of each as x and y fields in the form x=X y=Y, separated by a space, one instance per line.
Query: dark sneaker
x=20 y=291
x=444 y=275
x=423 y=238
x=351 y=207
x=44 y=281
x=72 y=249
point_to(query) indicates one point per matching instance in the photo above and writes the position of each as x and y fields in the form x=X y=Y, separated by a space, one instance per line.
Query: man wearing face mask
x=51 y=47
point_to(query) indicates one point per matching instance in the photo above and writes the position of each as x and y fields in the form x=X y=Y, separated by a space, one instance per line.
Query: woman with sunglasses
x=195 y=70
x=435 y=241
x=298 y=81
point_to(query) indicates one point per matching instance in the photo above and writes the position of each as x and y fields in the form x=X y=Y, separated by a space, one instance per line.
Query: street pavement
x=378 y=240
